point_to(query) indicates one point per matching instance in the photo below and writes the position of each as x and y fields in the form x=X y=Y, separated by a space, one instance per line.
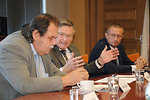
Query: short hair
x=40 y=23
x=63 y=22
x=116 y=26
x=25 y=31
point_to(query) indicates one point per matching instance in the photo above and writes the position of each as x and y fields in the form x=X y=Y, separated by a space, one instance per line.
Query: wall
x=58 y=8
x=73 y=10
x=77 y=15
x=16 y=16
x=3 y=10
x=19 y=12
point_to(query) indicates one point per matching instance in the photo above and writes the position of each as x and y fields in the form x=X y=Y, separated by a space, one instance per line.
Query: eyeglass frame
x=118 y=36
x=63 y=34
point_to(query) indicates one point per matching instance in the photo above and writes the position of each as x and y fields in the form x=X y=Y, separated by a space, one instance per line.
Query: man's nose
x=115 y=37
x=65 y=37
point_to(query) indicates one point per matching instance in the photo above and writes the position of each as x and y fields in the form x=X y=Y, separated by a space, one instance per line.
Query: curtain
x=145 y=34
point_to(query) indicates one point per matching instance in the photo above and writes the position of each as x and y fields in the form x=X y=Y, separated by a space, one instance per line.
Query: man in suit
x=112 y=39
x=25 y=65
x=72 y=60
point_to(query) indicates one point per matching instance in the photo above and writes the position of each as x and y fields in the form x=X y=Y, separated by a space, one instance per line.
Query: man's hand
x=107 y=56
x=140 y=63
x=74 y=77
x=73 y=63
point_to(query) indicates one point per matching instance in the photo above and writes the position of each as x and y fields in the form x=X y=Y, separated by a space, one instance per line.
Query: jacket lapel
x=59 y=56
x=46 y=64
x=32 y=69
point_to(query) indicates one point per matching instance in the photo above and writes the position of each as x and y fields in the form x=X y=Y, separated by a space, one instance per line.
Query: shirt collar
x=112 y=47
x=33 y=49
x=65 y=49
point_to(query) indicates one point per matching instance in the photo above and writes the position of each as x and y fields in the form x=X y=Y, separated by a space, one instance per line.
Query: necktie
x=117 y=61
x=64 y=53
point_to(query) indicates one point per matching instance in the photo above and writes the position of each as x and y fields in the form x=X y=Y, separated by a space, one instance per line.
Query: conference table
x=133 y=94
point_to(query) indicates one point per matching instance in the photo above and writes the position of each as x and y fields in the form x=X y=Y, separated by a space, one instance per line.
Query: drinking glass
x=139 y=75
x=113 y=86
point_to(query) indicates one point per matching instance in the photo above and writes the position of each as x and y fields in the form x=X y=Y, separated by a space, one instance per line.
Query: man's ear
x=106 y=35
x=35 y=35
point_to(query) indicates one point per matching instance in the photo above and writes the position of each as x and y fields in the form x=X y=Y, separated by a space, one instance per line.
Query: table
x=133 y=94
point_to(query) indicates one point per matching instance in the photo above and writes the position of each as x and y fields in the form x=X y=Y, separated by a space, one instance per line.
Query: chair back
x=133 y=57
x=85 y=57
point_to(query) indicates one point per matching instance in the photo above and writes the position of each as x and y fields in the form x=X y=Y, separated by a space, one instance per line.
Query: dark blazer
x=59 y=61
x=57 y=57
x=111 y=67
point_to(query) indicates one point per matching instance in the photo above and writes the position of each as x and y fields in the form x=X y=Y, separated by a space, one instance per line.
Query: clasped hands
x=140 y=63
x=107 y=56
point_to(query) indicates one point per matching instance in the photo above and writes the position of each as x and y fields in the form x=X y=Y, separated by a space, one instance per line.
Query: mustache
x=51 y=47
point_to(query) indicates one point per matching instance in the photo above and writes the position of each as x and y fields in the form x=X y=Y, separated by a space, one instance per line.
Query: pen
x=114 y=75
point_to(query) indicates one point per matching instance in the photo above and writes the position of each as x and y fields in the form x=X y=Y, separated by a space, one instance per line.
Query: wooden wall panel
x=121 y=4
x=126 y=24
x=93 y=23
x=130 y=34
x=128 y=13
x=120 y=15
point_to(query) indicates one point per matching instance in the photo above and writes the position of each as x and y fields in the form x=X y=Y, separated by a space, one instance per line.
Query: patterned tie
x=64 y=53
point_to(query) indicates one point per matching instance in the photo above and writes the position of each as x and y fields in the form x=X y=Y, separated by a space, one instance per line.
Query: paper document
x=147 y=76
x=127 y=80
x=123 y=95
x=100 y=87
x=124 y=86
x=124 y=78
x=104 y=80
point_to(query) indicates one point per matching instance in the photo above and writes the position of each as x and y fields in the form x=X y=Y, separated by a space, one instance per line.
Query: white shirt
x=68 y=54
x=40 y=70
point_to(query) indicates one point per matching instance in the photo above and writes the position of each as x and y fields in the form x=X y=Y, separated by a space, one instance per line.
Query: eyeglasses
x=118 y=36
x=63 y=34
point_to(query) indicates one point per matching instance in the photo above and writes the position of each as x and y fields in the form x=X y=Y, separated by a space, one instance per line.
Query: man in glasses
x=113 y=37
x=25 y=65
x=66 y=56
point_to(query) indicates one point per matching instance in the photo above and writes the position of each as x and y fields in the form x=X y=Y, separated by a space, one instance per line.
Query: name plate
x=147 y=76
x=90 y=96
x=124 y=86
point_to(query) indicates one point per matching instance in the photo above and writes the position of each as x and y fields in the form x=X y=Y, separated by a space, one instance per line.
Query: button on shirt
x=40 y=70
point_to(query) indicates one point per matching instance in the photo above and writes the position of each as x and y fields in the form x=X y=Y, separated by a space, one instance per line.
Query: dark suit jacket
x=59 y=61
x=111 y=67
x=57 y=57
